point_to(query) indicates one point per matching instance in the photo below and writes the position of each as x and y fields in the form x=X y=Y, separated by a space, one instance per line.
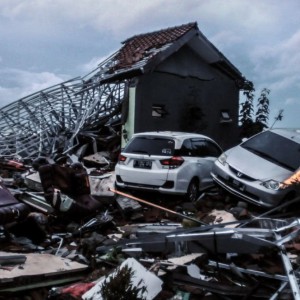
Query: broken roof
x=142 y=53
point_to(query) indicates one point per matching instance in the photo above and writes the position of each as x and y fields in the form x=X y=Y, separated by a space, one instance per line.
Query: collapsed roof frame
x=50 y=121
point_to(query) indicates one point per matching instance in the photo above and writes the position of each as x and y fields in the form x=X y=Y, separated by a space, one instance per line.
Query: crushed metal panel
x=198 y=240
x=149 y=229
x=223 y=240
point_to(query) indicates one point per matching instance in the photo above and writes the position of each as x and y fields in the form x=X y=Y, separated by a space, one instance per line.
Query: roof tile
x=138 y=47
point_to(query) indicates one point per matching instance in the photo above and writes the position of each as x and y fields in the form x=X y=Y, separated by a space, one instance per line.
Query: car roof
x=175 y=134
x=289 y=133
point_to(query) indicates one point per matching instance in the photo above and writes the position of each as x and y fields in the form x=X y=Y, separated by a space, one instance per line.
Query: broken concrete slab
x=40 y=270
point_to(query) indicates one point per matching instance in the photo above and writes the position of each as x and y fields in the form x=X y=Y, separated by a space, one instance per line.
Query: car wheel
x=193 y=191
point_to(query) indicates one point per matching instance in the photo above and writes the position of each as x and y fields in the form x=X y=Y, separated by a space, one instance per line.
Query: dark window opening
x=158 y=111
x=225 y=117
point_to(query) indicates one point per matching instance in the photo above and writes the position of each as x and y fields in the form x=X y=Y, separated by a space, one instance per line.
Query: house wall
x=191 y=105
x=128 y=127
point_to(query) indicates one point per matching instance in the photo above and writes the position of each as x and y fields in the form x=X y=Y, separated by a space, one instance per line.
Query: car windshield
x=151 y=146
x=275 y=148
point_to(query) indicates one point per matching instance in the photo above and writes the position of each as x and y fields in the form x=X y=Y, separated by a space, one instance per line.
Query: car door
x=205 y=153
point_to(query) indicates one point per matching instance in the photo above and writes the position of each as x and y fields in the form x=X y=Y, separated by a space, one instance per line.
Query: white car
x=264 y=169
x=169 y=162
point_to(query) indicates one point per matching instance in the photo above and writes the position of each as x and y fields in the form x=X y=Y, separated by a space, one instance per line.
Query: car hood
x=255 y=166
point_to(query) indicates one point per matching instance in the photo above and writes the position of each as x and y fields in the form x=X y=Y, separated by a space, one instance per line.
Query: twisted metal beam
x=51 y=120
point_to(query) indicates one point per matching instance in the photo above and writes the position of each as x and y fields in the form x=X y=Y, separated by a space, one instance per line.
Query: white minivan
x=169 y=162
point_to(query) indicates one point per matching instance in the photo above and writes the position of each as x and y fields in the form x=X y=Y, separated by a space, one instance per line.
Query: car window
x=204 y=148
x=151 y=146
x=186 y=148
x=213 y=149
x=275 y=148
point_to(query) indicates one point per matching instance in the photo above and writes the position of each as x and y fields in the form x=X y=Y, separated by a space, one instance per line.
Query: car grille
x=241 y=175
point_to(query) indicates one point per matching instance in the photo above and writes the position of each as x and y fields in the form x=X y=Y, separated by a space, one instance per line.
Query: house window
x=158 y=111
x=225 y=116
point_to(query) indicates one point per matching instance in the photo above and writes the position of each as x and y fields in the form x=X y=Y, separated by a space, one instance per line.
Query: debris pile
x=67 y=233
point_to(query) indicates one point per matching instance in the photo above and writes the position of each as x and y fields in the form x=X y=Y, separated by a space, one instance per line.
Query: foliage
x=262 y=113
x=246 y=112
x=120 y=287
x=252 y=123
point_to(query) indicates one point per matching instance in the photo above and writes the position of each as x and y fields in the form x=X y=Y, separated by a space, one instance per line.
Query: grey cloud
x=16 y=84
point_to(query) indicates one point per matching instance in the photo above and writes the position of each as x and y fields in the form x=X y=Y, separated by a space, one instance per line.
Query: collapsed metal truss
x=51 y=120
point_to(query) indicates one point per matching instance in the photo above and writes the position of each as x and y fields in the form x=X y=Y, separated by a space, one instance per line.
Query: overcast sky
x=44 y=42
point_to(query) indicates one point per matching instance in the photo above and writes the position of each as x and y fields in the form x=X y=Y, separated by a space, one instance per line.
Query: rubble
x=215 y=248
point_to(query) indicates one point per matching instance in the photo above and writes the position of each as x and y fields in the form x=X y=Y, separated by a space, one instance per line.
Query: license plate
x=143 y=164
x=237 y=184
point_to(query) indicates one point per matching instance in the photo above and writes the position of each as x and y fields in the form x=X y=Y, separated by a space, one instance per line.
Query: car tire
x=192 y=191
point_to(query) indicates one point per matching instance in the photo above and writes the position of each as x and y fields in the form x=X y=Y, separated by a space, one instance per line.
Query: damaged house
x=171 y=79
x=178 y=81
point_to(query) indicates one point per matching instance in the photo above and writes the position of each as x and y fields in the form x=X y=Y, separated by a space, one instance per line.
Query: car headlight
x=222 y=159
x=271 y=184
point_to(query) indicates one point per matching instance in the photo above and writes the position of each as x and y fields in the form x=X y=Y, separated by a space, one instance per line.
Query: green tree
x=246 y=112
x=262 y=113
x=120 y=286
x=253 y=122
